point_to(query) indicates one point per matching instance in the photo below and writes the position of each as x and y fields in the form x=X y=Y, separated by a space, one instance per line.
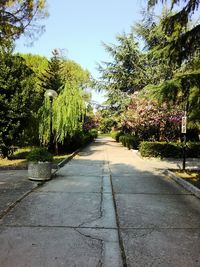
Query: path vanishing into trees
x=106 y=207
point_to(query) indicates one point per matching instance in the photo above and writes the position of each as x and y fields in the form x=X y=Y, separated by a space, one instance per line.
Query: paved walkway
x=107 y=207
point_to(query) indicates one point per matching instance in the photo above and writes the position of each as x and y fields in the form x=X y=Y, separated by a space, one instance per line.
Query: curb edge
x=193 y=189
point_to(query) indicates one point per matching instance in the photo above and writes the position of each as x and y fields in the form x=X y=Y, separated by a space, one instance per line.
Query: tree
x=16 y=94
x=69 y=80
x=154 y=75
x=185 y=41
x=68 y=113
x=53 y=77
x=73 y=72
x=38 y=65
x=122 y=75
x=176 y=84
x=20 y=17
x=156 y=63
x=148 y=119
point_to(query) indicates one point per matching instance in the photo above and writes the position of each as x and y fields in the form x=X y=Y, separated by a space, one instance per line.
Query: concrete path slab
x=13 y=186
x=76 y=184
x=156 y=184
x=55 y=209
x=158 y=211
x=48 y=247
x=83 y=170
x=162 y=247
x=107 y=207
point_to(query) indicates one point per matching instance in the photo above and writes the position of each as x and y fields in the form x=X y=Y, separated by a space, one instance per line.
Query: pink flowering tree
x=149 y=120
x=90 y=122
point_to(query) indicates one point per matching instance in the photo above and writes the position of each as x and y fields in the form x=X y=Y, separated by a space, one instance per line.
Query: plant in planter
x=39 y=164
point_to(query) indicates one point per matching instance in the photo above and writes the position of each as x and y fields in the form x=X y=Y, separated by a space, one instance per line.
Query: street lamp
x=184 y=131
x=51 y=94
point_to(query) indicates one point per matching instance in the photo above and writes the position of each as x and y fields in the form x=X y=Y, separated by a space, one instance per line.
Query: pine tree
x=185 y=40
x=53 y=77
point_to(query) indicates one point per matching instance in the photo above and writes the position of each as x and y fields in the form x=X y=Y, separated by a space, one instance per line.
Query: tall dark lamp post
x=184 y=131
x=51 y=94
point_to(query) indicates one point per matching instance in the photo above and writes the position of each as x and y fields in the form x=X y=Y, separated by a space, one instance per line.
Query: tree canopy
x=21 y=17
x=68 y=79
x=185 y=40
x=170 y=87
x=16 y=94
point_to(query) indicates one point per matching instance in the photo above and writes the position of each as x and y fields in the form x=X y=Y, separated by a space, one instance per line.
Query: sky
x=79 y=28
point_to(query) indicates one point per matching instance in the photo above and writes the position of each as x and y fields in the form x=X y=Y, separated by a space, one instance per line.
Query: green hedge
x=129 y=141
x=169 y=150
x=93 y=133
x=116 y=135
x=193 y=150
x=88 y=137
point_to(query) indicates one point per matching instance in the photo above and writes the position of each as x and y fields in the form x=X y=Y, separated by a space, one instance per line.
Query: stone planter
x=39 y=171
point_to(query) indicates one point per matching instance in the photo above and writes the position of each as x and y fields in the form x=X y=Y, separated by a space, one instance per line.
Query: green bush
x=122 y=139
x=86 y=138
x=39 y=154
x=116 y=135
x=129 y=141
x=160 y=149
x=93 y=133
x=193 y=150
x=20 y=153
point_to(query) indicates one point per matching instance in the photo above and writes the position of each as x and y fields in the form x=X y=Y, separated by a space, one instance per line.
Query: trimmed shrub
x=116 y=135
x=131 y=142
x=193 y=150
x=169 y=150
x=160 y=149
x=93 y=133
x=122 y=140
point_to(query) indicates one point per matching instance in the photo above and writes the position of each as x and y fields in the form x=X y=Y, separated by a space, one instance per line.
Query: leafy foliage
x=38 y=65
x=169 y=150
x=39 y=154
x=150 y=120
x=184 y=43
x=16 y=94
x=129 y=141
x=160 y=149
x=68 y=79
x=121 y=76
x=116 y=135
x=68 y=112
x=165 y=89
x=52 y=78
x=20 y=16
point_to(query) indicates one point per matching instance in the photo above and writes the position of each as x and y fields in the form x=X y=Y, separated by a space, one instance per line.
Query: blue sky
x=79 y=27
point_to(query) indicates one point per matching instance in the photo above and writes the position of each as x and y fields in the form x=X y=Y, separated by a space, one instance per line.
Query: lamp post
x=51 y=94
x=184 y=131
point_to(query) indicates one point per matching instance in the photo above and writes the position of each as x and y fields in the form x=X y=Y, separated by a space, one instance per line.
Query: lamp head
x=51 y=93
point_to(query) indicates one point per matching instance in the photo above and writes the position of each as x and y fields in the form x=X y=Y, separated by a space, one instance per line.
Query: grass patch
x=20 y=153
x=13 y=163
x=192 y=177
x=57 y=159
x=104 y=134
x=18 y=159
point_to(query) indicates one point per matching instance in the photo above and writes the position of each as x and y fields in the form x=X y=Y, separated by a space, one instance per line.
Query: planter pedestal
x=39 y=171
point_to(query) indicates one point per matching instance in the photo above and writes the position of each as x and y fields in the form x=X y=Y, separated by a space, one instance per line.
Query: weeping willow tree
x=69 y=110
x=68 y=113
